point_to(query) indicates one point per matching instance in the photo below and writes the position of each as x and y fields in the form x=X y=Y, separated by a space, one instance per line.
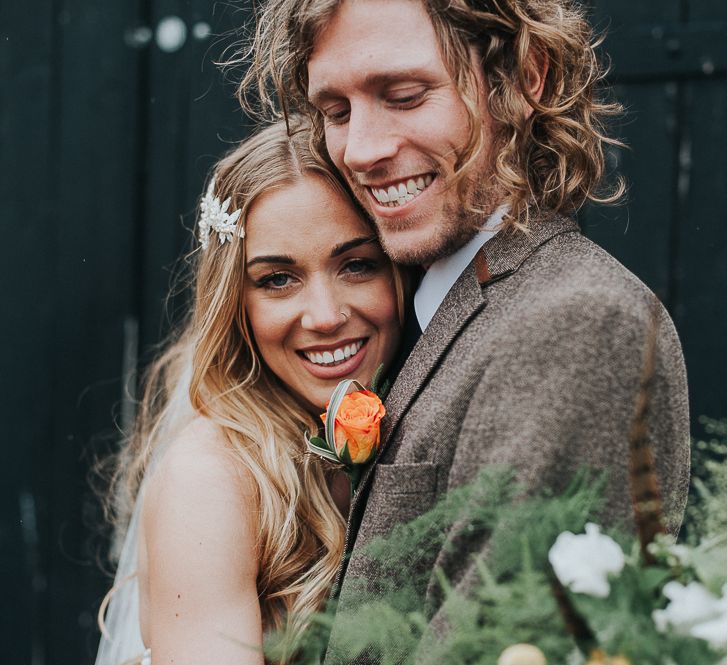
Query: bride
x=235 y=530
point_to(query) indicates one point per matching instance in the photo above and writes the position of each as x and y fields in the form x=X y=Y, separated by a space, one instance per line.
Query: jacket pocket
x=399 y=493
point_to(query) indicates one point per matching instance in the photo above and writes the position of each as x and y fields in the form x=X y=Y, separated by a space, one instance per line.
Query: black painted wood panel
x=672 y=230
x=27 y=192
x=638 y=231
x=192 y=118
x=700 y=260
x=614 y=14
x=92 y=288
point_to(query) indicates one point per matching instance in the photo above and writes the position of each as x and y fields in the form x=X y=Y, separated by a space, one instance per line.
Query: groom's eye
x=406 y=99
x=335 y=114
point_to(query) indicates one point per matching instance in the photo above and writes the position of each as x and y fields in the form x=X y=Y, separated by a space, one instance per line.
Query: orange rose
x=358 y=424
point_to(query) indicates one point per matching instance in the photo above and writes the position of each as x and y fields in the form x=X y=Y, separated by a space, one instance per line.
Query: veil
x=121 y=635
x=121 y=642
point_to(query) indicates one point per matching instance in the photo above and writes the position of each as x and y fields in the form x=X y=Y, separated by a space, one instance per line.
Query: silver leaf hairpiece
x=214 y=218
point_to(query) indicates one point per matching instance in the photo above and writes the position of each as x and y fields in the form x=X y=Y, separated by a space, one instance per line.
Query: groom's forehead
x=354 y=41
x=365 y=10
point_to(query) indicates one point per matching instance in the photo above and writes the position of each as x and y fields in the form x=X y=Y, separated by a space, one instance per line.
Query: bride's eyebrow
x=336 y=251
x=350 y=244
x=282 y=258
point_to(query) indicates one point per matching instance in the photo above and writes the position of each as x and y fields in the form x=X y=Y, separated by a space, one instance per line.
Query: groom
x=470 y=132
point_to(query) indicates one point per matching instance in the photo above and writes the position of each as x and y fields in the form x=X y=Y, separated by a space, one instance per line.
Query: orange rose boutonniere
x=352 y=425
x=357 y=425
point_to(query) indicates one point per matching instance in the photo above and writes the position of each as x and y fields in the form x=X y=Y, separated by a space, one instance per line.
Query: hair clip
x=214 y=218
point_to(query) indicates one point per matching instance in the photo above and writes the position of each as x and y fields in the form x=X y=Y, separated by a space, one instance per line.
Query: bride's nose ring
x=345 y=316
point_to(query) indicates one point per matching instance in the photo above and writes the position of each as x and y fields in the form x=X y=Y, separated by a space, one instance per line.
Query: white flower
x=214 y=217
x=689 y=605
x=694 y=611
x=583 y=562
x=714 y=632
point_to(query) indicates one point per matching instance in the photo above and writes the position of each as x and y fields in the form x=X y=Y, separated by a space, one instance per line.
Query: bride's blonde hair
x=212 y=368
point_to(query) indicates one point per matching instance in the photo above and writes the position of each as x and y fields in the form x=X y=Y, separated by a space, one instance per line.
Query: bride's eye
x=360 y=267
x=276 y=281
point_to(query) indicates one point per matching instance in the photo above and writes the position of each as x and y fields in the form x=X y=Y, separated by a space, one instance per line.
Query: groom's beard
x=459 y=223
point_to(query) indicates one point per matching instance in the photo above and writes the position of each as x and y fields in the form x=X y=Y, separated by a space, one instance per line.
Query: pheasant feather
x=645 y=494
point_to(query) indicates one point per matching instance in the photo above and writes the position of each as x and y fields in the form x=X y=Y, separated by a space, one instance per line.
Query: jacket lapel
x=507 y=251
x=460 y=304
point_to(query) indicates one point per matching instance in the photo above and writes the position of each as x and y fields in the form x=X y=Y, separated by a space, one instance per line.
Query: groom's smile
x=398 y=194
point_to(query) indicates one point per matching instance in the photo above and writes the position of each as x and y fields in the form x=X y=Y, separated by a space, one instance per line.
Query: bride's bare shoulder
x=199 y=456
x=198 y=489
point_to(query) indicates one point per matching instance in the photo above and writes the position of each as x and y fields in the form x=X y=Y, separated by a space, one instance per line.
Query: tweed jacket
x=533 y=360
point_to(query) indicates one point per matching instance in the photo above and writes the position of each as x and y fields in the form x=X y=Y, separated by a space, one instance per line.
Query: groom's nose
x=370 y=139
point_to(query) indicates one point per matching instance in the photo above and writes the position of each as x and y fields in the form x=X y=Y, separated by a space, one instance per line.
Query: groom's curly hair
x=554 y=158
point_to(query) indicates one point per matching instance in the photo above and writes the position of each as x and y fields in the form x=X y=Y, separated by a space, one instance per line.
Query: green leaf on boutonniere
x=380 y=389
x=319 y=446
x=346 y=456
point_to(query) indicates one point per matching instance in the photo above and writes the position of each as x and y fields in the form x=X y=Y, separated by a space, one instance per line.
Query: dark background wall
x=109 y=121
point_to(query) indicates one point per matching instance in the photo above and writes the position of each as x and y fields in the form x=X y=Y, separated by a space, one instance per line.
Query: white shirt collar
x=443 y=273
